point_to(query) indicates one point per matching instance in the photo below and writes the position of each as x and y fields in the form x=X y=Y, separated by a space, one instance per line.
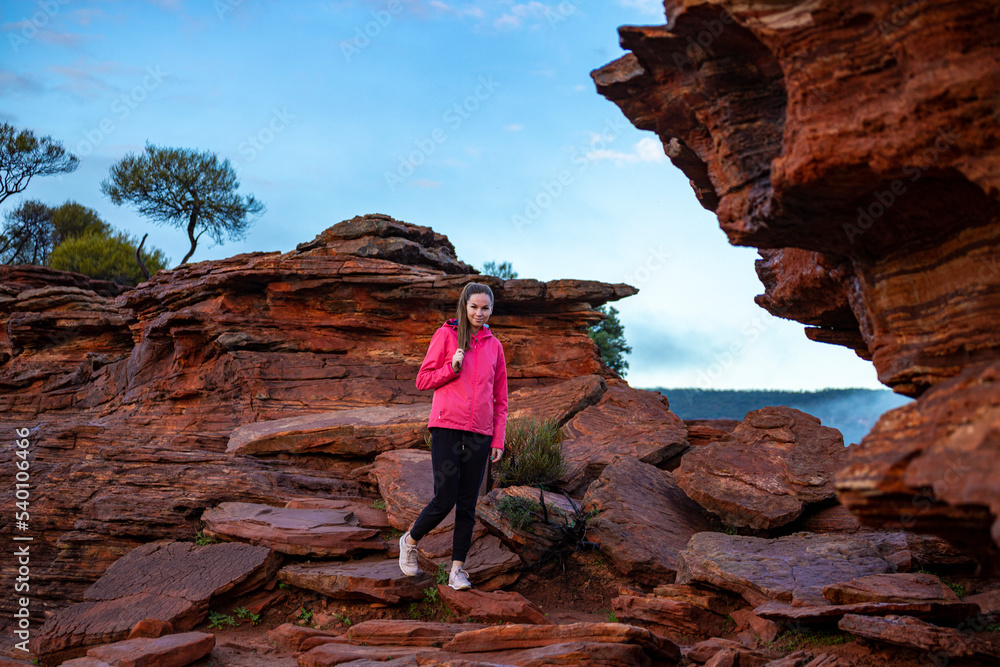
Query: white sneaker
x=459 y=579
x=408 y=556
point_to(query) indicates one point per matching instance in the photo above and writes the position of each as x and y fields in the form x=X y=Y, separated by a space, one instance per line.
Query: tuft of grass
x=305 y=615
x=378 y=504
x=441 y=576
x=201 y=539
x=792 y=641
x=610 y=615
x=431 y=607
x=243 y=612
x=532 y=454
x=518 y=510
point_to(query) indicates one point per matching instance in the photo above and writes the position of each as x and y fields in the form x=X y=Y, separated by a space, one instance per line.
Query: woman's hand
x=456 y=361
x=495 y=454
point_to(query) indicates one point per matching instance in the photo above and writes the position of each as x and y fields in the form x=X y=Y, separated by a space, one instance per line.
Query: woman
x=465 y=367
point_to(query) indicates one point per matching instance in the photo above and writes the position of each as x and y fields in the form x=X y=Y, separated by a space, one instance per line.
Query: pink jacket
x=475 y=398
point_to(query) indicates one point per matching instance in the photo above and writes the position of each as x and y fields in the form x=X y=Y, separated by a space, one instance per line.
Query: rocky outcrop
x=942 y=643
x=626 y=422
x=868 y=177
x=779 y=461
x=119 y=390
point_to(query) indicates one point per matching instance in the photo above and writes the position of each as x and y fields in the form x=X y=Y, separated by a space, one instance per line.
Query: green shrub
x=532 y=455
x=107 y=257
x=518 y=510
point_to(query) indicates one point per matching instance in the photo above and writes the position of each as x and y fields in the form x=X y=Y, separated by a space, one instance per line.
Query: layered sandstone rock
x=122 y=390
x=856 y=145
x=779 y=461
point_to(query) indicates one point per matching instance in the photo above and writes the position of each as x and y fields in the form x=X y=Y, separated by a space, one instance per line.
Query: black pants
x=459 y=459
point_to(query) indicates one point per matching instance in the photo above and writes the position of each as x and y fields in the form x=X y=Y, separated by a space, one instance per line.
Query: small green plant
x=441 y=576
x=732 y=530
x=992 y=627
x=431 y=607
x=610 y=615
x=305 y=615
x=532 y=454
x=201 y=539
x=958 y=588
x=217 y=620
x=343 y=618
x=378 y=504
x=792 y=640
x=244 y=613
x=282 y=584
x=519 y=511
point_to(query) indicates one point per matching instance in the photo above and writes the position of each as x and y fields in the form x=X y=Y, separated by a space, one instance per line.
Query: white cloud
x=645 y=150
x=514 y=127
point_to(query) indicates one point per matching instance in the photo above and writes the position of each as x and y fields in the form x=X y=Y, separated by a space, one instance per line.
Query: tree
x=73 y=219
x=24 y=156
x=609 y=334
x=504 y=271
x=107 y=256
x=27 y=234
x=186 y=189
x=33 y=229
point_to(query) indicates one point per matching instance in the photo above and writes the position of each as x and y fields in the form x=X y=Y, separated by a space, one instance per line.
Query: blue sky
x=476 y=118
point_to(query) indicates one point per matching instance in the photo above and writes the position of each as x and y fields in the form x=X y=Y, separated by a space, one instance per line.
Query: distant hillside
x=851 y=411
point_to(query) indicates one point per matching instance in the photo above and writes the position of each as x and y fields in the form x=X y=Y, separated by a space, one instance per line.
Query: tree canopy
x=27 y=234
x=504 y=271
x=186 y=188
x=609 y=334
x=24 y=156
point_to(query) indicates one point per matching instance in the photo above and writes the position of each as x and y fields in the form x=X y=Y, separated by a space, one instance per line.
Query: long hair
x=462 y=314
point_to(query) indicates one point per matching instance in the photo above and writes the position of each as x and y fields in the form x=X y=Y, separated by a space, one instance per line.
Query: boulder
x=174 y=582
x=374 y=579
x=922 y=636
x=167 y=651
x=300 y=532
x=643 y=519
x=626 y=422
x=895 y=587
x=291 y=635
x=538 y=539
x=405 y=480
x=575 y=653
x=949 y=613
x=492 y=606
x=780 y=461
x=359 y=432
x=794 y=568
x=335 y=653
x=151 y=628
x=670 y=614
x=558 y=402
x=706 y=431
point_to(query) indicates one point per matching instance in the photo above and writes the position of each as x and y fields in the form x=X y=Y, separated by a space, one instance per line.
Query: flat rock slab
x=492 y=606
x=558 y=402
x=676 y=615
x=791 y=568
x=167 y=651
x=644 y=519
x=536 y=539
x=897 y=587
x=779 y=461
x=951 y=613
x=406 y=482
x=920 y=635
x=336 y=654
x=626 y=422
x=373 y=579
x=520 y=636
x=300 y=532
x=367 y=516
x=398 y=632
x=356 y=432
x=168 y=581
x=575 y=653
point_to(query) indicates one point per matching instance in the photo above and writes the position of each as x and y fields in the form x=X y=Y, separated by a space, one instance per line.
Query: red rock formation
x=856 y=145
x=130 y=398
